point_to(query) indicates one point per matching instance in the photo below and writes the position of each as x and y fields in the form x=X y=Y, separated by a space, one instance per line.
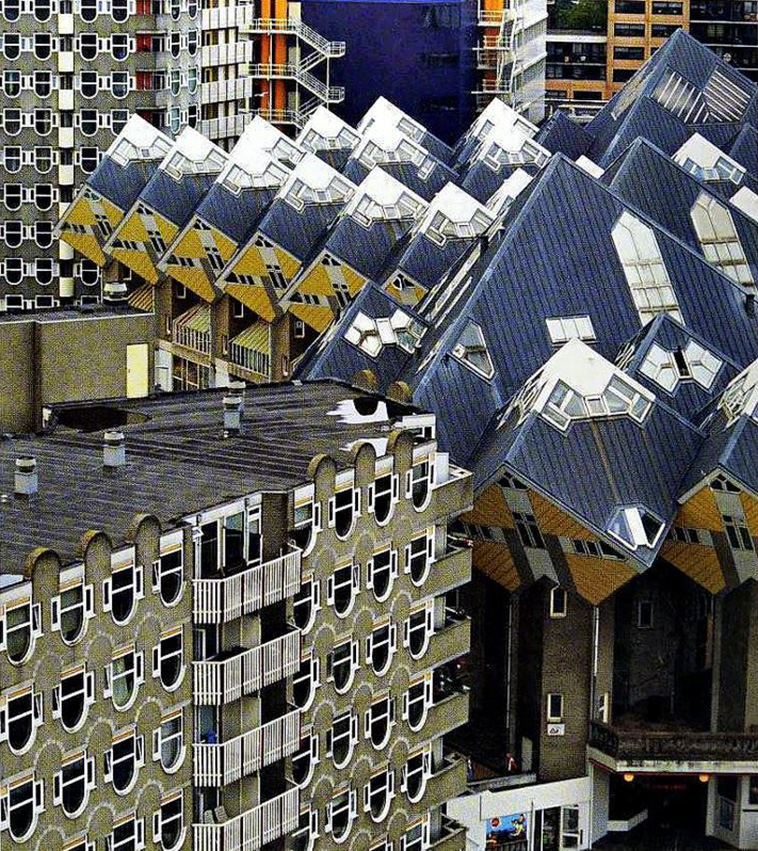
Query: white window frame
x=426 y=610
x=87 y=692
x=138 y=589
x=372 y=642
x=425 y=770
x=158 y=741
x=168 y=551
x=556 y=593
x=137 y=671
x=159 y=658
x=138 y=837
x=429 y=537
x=138 y=756
x=394 y=495
x=425 y=681
x=352 y=808
x=412 y=478
x=38 y=798
x=354 y=583
x=554 y=717
x=351 y=734
x=391 y=568
x=387 y=776
x=158 y=821
x=389 y=702
x=35 y=711
x=352 y=661
x=87 y=778
x=88 y=610
x=355 y=512
x=315 y=602
x=34 y=625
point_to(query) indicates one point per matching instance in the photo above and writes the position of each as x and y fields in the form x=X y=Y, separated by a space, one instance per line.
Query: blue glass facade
x=420 y=56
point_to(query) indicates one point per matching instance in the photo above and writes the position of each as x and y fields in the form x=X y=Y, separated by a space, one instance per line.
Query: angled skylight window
x=704 y=365
x=471 y=350
x=567 y=328
x=681 y=98
x=718 y=238
x=726 y=100
x=636 y=527
x=628 y=95
x=619 y=398
x=707 y=162
x=644 y=268
x=371 y=335
x=741 y=395
x=659 y=366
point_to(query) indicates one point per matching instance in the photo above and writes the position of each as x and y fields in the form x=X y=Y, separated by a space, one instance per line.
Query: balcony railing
x=227 y=16
x=226 y=762
x=675 y=746
x=224 y=599
x=253 y=828
x=244 y=671
x=223 y=128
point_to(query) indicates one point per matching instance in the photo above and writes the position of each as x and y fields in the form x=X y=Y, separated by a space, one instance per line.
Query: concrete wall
x=377 y=64
x=47 y=360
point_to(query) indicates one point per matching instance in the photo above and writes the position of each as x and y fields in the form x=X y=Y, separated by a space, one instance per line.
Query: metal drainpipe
x=508 y=666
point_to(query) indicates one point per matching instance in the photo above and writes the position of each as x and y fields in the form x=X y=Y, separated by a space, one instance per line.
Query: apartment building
x=632 y=30
x=267 y=654
x=74 y=73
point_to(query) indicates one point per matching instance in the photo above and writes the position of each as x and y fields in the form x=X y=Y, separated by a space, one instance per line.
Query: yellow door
x=137 y=371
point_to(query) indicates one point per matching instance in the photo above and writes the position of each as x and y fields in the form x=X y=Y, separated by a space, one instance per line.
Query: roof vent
x=25 y=483
x=232 y=414
x=750 y=304
x=237 y=388
x=114 y=450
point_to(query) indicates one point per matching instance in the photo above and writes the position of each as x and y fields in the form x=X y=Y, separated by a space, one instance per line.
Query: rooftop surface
x=178 y=460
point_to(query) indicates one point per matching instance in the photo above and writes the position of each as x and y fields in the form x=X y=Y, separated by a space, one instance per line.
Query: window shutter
x=57 y=794
x=157 y=744
x=330 y=590
x=139 y=581
x=329 y=665
x=317 y=516
x=107 y=688
x=353 y=803
x=140 y=825
x=90 y=772
x=407 y=565
x=370 y=498
x=432 y=467
x=2 y=630
x=39 y=795
x=331 y=512
x=430 y=545
x=393 y=564
x=395 y=487
x=89 y=601
x=156 y=661
x=157 y=827
x=38 y=708
x=4 y=811
x=56 y=708
x=106 y=595
x=409 y=484
x=392 y=710
x=357 y=501
x=37 y=619
x=328 y=742
x=390 y=783
x=89 y=687
x=139 y=666
x=55 y=616
x=405 y=706
x=356 y=576
x=316 y=593
x=428 y=691
x=156 y=575
x=3 y=722
x=366 y=797
x=370 y=573
x=354 y=728
x=314 y=748
x=354 y=653
x=369 y=648
x=393 y=638
x=140 y=750
x=367 y=724
x=406 y=632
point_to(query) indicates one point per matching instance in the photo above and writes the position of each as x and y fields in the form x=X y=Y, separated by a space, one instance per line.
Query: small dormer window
x=306 y=522
x=342 y=587
x=636 y=527
x=306 y=681
x=71 y=610
x=381 y=572
x=306 y=603
x=341 y=665
x=23 y=625
x=719 y=239
x=344 y=508
x=563 y=329
x=471 y=350
x=382 y=496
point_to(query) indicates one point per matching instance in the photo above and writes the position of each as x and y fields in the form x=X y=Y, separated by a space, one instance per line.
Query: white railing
x=214 y=55
x=224 y=90
x=222 y=128
x=198 y=341
x=223 y=681
x=273 y=71
x=293 y=27
x=222 y=600
x=228 y=16
x=251 y=829
x=219 y=764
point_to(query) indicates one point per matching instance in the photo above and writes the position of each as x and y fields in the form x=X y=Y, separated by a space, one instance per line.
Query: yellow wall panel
x=316 y=282
x=133 y=229
x=597 y=578
x=494 y=560
x=491 y=509
x=168 y=230
x=701 y=512
x=226 y=246
x=80 y=213
x=553 y=521
x=138 y=261
x=115 y=214
x=190 y=246
x=750 y=507
x=314 y=315
x=251 y=263
x=85 y=244
x=354 y=281
x=195 y=280
x=287 y=263
x=254 y=298
x=698 y=562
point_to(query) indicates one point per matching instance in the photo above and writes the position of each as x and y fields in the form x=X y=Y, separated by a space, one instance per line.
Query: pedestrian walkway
x=651 y=837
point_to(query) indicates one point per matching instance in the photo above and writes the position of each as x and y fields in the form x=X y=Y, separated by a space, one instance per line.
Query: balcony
x=226 y=762
x=447 y=712
x=214 y=55
x=451 y=837
x=251 y=829
x=446 y=781
x=676 y=751
x=451 y=640
x=192 y=329
x=227 y=17
x=224 y=128
x=449 y=570
x=222 y=91
x=240 y=671
x=224 y=599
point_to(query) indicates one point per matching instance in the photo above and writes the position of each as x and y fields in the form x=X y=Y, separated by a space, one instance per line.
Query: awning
x=197 y=318
x=252 y=349
x=142 y=298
